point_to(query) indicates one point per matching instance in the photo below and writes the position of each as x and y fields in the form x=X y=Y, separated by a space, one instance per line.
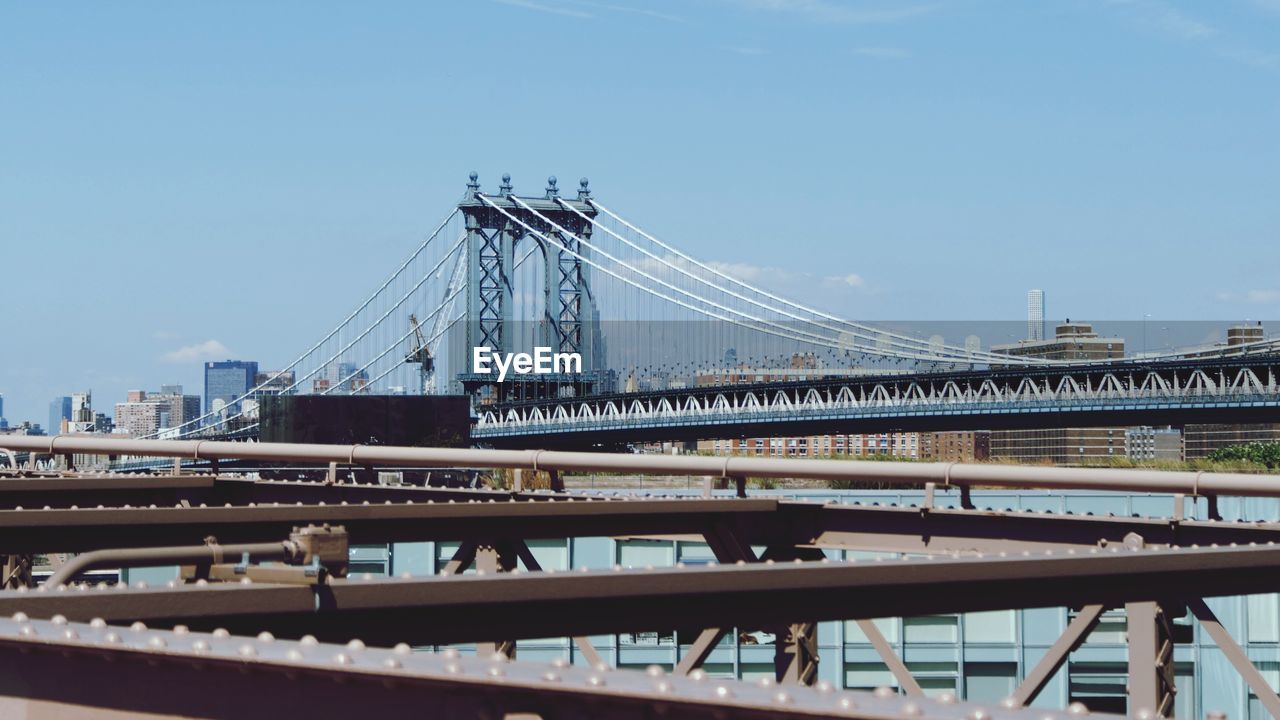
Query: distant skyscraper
x=3 y=423
x=1035 y=314
x=226 y=382
x=59 y=410
x=81 y=413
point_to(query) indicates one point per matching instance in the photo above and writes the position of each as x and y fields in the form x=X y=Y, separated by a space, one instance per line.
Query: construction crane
x=421 y=354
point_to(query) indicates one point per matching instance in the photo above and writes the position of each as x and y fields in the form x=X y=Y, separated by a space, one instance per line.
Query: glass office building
x=226 y=382
x=980 y=656
x=59 y=410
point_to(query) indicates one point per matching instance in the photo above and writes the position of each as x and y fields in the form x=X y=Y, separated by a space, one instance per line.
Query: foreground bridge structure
x=271 y=604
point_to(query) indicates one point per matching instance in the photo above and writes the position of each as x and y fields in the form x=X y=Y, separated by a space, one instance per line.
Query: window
x=989 y=681
x=997 y=626
x=930 y=629
x=1264 y=617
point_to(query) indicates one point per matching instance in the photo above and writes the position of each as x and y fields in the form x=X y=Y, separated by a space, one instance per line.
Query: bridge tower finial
x=553 y=192
x=473 y=185
x=584 y=193
x=505 y=188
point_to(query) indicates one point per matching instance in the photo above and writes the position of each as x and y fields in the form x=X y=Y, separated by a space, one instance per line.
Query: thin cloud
x=199 y=352
x=549 y=9
x=1252 y=297
x=883 y=53
x=829 y=11
x=626 y=9
x=1160 y=16
x=852 y=280
x=1271 y=6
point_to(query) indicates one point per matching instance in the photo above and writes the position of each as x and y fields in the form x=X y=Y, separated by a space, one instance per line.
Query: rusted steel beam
x=88 y=491
x=473 y=608
x=920 y=530
x=193 y=674
x=731 y=526
x=65 y=530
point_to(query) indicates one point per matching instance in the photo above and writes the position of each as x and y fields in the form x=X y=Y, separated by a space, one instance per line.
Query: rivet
x=247 y=651
x=723 y=691
x=946 y=698
x=97 y=623
x=391 y=663
x=156 y=642
x=265 y=636
x=308 y=641
x=884 y=692
x=20 y=617
x=355 y=645
x=595 y=680
x=402 y=649
x=200 y=646
x=222 y=633
x=138 y=626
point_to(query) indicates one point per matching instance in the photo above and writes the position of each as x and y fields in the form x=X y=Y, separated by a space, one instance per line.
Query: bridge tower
x=496 y=236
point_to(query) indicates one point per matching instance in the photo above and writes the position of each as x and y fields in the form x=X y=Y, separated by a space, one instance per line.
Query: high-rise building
x=3 y=423
x=1035 y=315
x=225 y=382
x=137 y=418
x=177 y=408
x=59 y=412
x=81 y=420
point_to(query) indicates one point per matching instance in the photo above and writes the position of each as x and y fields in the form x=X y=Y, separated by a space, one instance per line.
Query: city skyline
x=925 y=135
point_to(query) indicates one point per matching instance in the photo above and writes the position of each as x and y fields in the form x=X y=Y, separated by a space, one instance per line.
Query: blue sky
x=184 y=181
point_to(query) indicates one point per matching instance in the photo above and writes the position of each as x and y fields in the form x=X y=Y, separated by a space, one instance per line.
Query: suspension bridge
x=649 y=322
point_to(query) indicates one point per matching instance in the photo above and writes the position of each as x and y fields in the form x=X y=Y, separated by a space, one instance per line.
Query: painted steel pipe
x=153 y=557
x=942 y=474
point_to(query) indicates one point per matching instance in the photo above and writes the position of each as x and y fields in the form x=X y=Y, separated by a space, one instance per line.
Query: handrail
x=942 y=474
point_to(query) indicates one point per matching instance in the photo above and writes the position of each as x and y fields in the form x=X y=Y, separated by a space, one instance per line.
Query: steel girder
x=478 y=608
x=193 y=674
